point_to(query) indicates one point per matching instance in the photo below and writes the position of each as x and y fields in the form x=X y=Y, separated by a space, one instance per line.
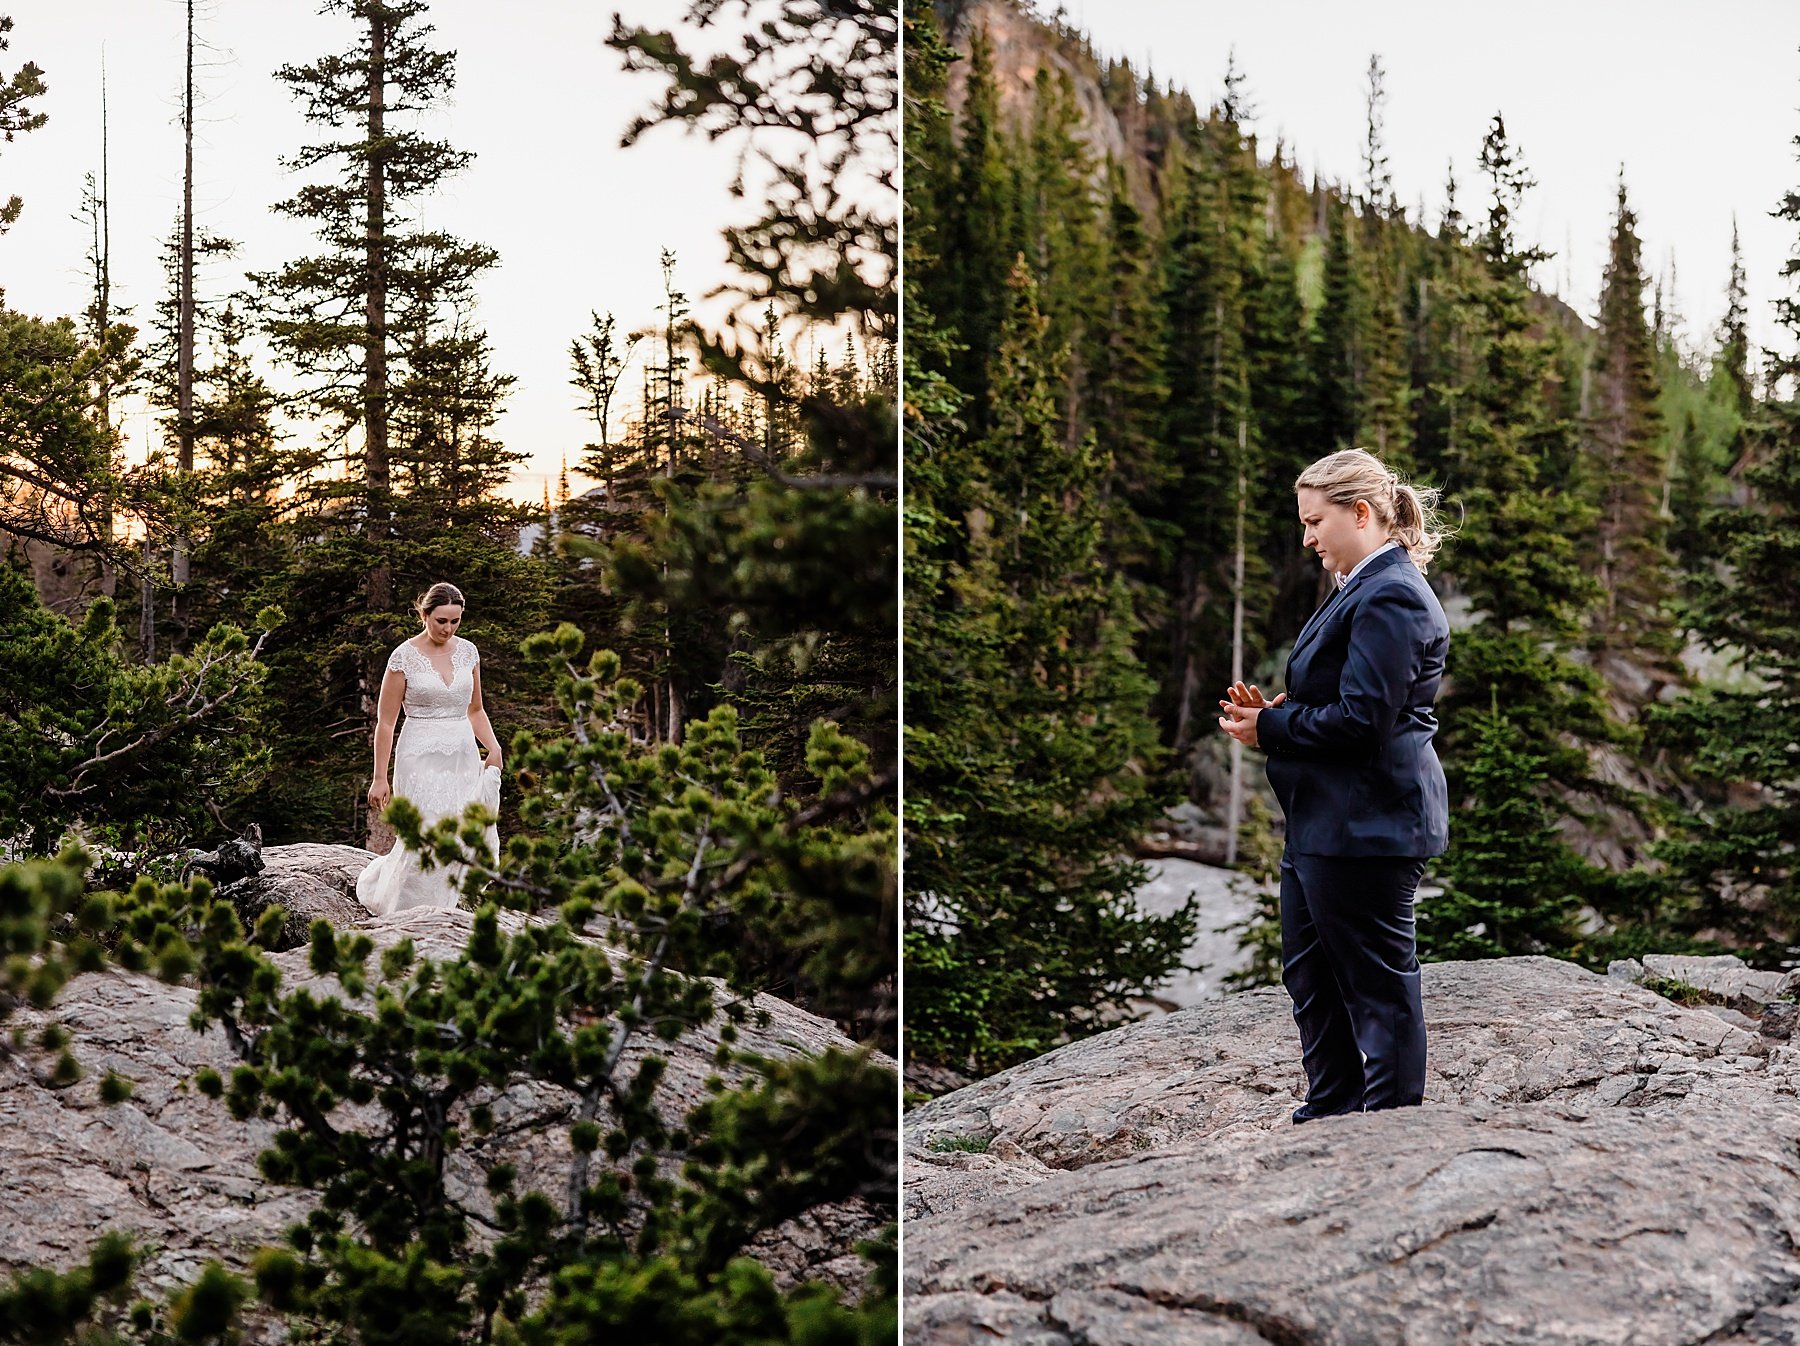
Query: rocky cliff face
x=1593 y=1164
x=173 y=1170
x=1022 y=46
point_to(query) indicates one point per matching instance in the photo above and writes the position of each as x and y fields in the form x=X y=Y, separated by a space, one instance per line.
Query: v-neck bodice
x=428 y=696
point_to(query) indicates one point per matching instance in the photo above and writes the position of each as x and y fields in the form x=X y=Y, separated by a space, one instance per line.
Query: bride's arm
x=478 y=721
x=393 y=692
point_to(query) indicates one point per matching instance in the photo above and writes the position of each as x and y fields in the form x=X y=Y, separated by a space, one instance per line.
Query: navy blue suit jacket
x=1350 y=755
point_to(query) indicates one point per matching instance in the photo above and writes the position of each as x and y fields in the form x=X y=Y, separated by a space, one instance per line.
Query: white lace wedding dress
x=437 y=766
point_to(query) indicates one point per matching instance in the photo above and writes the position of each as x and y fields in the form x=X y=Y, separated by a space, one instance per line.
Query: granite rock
x=1723 y=977
x=173 y=1170
x=308 y=881
x=1593 y=1164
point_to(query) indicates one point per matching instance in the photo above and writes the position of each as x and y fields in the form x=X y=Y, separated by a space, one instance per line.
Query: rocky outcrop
x=1718 y=979
x=173 y=1170
x=1594 y=1164
x=306 y=880
x=1022 y=45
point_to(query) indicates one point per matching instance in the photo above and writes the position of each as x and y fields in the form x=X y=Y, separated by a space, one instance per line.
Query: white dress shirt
x=1342 y=580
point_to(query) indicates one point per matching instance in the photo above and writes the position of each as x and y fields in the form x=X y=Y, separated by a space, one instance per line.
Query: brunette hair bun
x=438 y=595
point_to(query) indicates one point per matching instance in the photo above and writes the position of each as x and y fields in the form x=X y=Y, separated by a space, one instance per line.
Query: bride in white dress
x=436 y=678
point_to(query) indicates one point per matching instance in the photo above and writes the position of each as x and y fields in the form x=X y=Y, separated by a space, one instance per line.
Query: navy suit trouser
x=1349 y=960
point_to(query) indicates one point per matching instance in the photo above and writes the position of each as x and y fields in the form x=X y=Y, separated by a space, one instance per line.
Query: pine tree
x=342 y=317
x=1124 y=390
x=1516 y=556
x=785 y=570
x=90 y=739
x=1384 y=397
x=1708 y=414
x=1631 y=561
x=1059 y=222
x=600 y=359
x=1216 y=208
x=1441 y=343
x=666 y=441
x=1284 y=414
x=1511 y=886
x=16 y=114
x=1734 y=337
x=229 y=508
x=1026 y=734
x=980 y=223
x=57 y=445
x=1337 y=336
x=1740 y=856
x=380 y=326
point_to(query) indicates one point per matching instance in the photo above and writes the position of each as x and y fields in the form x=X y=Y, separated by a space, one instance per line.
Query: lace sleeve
x=471 y=655
x=397 y=660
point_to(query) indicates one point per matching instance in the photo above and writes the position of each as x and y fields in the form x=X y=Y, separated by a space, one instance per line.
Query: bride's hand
x=493 y=760
x=379 y=795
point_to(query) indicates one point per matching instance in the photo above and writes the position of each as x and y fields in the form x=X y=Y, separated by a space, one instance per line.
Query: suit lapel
x=1313 y=622
x=1317 y=620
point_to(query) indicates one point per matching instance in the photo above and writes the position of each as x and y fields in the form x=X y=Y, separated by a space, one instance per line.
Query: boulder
x=1593 y=1164
x=173 y=1170
x=308 y=881
x=1724 y=978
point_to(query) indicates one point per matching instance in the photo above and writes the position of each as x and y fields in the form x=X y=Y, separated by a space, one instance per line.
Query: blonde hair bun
x=1408 y=512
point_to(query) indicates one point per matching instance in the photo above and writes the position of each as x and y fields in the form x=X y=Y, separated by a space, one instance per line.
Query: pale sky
x=578 y=222
x=1698 y=102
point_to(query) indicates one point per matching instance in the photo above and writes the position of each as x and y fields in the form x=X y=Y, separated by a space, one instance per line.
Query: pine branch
x=150 y=738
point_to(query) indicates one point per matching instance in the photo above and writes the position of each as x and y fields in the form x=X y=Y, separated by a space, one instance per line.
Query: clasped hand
x=1243 y=705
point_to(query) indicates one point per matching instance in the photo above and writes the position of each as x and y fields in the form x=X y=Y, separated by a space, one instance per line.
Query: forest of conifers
x=715 y=796
x=1115 y=368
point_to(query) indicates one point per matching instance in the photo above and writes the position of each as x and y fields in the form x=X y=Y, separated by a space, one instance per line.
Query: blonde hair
x=1408 y=512
x=439 y=595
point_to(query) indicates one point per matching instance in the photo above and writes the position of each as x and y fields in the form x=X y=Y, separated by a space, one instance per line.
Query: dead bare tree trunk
x=375 y=426
x=374 y=391
x=184 y=371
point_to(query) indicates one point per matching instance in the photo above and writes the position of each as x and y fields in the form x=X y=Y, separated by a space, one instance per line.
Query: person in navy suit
x=1351 y=762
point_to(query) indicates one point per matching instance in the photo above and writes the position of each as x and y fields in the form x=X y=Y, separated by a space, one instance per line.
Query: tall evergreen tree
x=1708 y=410
x=1734 y=336
x=600 y=358
x=1517 y=555
x=1740 y=855
x=1510 y=884
x=1124 y=388
x=226 y=505
x=1283 y=411
x=1025 y=734
x=379 y=326
x=982 y=234
x=59 y=476
x=1383 y=416
x=1441 y=355
x=1337 y=334
x=1060 y=223
x=1630 y=557
x=342 y=317
x=1215 y=213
